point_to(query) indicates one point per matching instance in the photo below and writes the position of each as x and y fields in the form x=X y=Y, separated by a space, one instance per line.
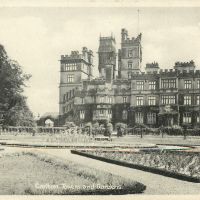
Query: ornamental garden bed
x=41 y=174
x=177 y=164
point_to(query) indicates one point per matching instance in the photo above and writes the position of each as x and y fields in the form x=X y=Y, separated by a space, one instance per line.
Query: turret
x=130 y=55
x=107 y=58
x=74 y=68
x=124 y=35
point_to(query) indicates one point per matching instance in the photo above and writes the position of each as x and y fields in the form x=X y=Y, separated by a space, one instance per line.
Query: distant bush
x=193 y=132
x=108 y=129
x=69 y=124
x=121 y=129
x=121 y=125
x=172 y=130
x=95 y=128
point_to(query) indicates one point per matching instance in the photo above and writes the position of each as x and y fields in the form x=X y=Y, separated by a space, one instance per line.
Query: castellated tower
x=130 y=55
x=74 y=68
x=107 y=58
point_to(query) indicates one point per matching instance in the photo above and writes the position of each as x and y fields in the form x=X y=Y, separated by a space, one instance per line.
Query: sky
x=37 y=36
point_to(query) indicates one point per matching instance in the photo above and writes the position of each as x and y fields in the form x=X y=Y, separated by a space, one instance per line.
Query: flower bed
x=166 y=162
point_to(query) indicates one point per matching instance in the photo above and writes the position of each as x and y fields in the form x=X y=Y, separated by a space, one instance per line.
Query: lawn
x=33 y=173
x=76 y=139
x=157 y=139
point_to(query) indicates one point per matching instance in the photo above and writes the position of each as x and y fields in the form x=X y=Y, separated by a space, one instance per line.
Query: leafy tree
x=13 y=106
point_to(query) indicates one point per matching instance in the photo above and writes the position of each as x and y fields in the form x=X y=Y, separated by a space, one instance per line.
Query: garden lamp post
x=141 y=135
x=184 y=132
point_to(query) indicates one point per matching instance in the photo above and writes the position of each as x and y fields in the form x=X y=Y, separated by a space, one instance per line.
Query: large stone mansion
x=123 y=93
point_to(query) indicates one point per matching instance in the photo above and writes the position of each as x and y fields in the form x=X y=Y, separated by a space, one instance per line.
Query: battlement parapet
x=97 y=81
x=126 y=40
x=167 y=72
x=111 y=38
x=185 y=64
x=86 y=55
x=152 y=65
x=107 y=44
x=120 y=81
x=133 y=40
x=71 y=56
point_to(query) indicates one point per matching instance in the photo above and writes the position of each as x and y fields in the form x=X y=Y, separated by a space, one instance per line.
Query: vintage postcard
x=100 y=99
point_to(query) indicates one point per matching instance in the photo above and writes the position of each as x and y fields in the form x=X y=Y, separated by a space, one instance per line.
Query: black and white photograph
x=100 y=100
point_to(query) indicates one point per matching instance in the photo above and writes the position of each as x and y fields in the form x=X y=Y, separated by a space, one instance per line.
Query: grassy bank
x=33 y=173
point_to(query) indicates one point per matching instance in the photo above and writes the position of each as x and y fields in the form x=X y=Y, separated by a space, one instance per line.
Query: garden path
x=156 y=184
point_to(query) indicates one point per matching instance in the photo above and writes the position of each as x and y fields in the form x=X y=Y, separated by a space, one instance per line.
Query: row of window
x=140 y=100
x=139 y=116
x=165 y=83
x=188 y=100
x=151 y=117
x=107 y=113
x=168 y=83
x=168 y=99
x=70 y=66
x=140 y=85
x=67 y=108
x=165 y=100
x=102 y=99
x=187 y=118
x=70 y=78
x=105 y=99
x=100 y=113
x=188 y=84
x=68 y=95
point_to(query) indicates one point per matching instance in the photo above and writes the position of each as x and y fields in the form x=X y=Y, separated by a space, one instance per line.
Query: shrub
x=193 y=132
x=69 y=124
x=108 y=129
x=121 y=129
x=95 y=128
x=172 y=130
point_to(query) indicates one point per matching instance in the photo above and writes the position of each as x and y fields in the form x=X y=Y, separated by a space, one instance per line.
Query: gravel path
x=156 y=184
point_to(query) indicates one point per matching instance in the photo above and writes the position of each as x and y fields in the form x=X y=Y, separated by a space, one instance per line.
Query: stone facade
x=73 y=69
x=154 y=97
